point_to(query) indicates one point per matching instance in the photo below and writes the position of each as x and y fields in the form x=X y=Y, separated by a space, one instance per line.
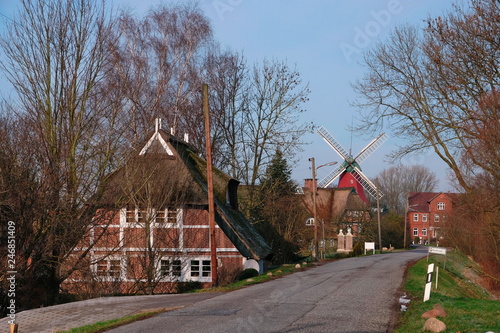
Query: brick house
x=427 y=213
x=338 y=208
x=151 y=230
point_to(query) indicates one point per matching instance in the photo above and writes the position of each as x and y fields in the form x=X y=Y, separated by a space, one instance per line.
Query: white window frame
x=174 y=269
x=202 y=271
x=415 y=232
x=441 y=206
x=424 y=217
x=436 y=217
x=424 y=232
x=109 y=261
x=171 y=216
x=415 y=217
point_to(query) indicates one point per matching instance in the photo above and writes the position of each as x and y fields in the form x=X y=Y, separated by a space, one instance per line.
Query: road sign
x=437 y=250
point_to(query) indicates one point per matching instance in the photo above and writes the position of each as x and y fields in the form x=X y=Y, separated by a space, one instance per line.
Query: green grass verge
x=268 y=275
x=110 y=324
x=469 y=307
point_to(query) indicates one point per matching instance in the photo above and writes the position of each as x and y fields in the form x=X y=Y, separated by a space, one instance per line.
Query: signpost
x=370 y=246
x=435 y=250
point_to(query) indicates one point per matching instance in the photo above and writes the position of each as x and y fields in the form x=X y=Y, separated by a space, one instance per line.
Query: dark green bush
x=357 y=250
x=248 y=273
x=183 y=287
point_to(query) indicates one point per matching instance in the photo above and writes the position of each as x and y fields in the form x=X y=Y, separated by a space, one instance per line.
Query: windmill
x=350 y=171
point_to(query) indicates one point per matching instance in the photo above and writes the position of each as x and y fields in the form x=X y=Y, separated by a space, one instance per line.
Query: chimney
x=309 y=183
x=157 y=124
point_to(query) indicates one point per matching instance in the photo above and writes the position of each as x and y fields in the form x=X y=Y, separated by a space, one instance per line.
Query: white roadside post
x=428 y=283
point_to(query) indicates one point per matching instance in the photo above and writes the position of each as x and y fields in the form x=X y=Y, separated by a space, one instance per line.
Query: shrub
x=183 y=287
x=248 y=273
x=357 y=250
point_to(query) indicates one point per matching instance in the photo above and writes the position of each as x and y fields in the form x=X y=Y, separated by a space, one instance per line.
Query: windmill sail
x=371 y=147
x=366 y=183
x=333 y=143
x=331 y=177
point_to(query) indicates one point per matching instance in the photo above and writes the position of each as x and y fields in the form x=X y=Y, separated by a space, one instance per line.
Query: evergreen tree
x=278 y=181
x=280 y=213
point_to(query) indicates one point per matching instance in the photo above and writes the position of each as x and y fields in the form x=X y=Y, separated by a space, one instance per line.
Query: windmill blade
x=333 y=143
x=331 y=177
x=366 y=183
x=371 y=147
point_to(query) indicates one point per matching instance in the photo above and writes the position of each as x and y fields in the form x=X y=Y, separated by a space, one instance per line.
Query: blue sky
x=324 y=39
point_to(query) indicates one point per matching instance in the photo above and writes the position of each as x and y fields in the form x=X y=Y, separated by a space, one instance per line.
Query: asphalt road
x=350 y=295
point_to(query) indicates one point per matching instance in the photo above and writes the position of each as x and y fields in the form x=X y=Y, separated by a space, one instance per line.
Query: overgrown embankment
x=469 y=307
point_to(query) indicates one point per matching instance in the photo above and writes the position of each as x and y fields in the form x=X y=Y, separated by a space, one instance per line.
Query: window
x=168 y=215
x=109 y=268
x=424 y=232
x=160 y=216
x=200 y=268
x=141 y=216
x=130 y=215
x=135 y=215
x=171 y=215
x=436 y=217
x=170 y=267
x=424 y=217
x=415 y=232
x=440 y=205
x=415 y=217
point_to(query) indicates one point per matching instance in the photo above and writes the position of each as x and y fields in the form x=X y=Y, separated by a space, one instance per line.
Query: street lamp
x=315 y=187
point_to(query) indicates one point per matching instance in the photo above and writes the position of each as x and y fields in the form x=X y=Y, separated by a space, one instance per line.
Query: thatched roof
x=331 y=203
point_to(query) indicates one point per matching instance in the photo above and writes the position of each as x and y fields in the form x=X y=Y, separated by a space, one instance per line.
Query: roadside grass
x=469 y=307
x=268 y=275
x=114 y=323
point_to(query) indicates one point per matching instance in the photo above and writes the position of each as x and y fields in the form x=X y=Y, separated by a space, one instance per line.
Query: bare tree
x=426 y=84
x=227 y=76
x=276 y=101
x=55 y=56
x=439 y=89
x=157 y=67
x=395 y=182
x=475 y=227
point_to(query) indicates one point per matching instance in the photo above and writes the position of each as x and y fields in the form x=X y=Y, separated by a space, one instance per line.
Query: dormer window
x=232 y=193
